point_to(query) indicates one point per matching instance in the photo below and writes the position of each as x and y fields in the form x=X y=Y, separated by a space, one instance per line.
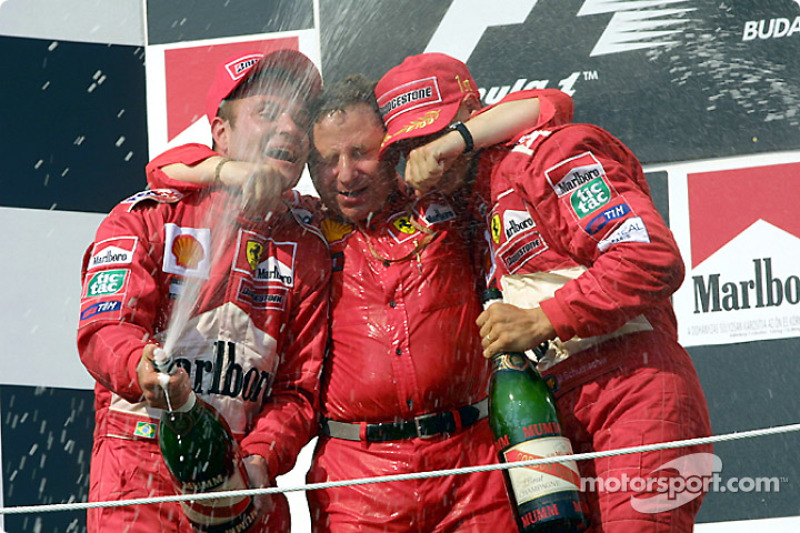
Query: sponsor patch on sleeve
x=104 y=310
x=115 y=251
x=631 y=230
x=105 y=283
x=601 y=221
x=574 y=172
x=187 y=251
x=590 y=197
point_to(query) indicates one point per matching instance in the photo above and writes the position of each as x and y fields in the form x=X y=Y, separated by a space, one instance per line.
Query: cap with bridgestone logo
x=422 y=95
x=236 y=70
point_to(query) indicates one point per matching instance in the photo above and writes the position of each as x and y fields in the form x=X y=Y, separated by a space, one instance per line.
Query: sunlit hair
x=353 y=90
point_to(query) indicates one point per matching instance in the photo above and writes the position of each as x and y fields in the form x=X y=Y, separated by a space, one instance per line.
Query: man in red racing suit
x=250 y=343
x=572 y=201
x=404 y=386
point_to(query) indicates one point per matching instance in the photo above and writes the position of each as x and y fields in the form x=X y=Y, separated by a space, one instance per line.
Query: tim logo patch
x=106 y=310
x=601 y=221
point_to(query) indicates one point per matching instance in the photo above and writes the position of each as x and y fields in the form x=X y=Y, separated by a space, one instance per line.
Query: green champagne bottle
x=202 y=457
x=526 y=426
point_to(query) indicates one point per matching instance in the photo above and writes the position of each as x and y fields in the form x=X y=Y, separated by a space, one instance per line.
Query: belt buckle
x=417 y=420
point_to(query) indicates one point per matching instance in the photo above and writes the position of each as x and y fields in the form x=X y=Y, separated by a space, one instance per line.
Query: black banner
x=675 y=79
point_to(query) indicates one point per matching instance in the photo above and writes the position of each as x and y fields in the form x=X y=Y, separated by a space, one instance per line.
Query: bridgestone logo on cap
x=239 y=67
x=409 y=96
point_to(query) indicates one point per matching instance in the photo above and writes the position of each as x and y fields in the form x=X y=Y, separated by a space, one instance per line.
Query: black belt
x=423 y=426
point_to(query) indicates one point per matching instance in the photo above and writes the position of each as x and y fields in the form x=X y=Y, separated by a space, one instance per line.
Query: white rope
x=405 y=477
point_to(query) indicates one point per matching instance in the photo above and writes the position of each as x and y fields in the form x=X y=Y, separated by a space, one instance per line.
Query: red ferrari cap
x=236 y=70
x=421 y=95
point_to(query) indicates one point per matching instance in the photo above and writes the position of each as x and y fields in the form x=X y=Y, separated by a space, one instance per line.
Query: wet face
x=268 y=127
x=345 y=166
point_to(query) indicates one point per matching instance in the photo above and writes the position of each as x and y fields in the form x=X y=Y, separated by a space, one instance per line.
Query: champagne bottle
x=202 y=457
x=526 y=426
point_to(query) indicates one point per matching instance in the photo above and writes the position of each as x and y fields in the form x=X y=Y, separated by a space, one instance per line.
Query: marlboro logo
x=723 y=204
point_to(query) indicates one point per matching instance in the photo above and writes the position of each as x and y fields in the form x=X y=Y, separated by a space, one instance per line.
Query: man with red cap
x=579 y=249
x=402 y=390
x=250 y=342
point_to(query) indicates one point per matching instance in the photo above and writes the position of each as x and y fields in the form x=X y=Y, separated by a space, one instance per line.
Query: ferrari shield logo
x=403 y=224
x=497 y=228
x=254 y=251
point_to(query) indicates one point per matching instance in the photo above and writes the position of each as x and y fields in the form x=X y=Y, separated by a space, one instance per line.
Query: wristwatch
x=461 y=128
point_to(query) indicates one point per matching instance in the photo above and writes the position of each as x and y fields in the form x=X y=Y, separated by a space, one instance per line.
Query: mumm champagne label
x=535 y=481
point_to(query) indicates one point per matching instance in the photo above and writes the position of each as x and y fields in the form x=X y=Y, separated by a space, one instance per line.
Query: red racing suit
x=403 y=343
x=563 y=197
x=253 y=346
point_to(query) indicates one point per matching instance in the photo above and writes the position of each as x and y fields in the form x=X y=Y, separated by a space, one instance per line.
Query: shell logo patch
x=187 y=251
x=334 y=230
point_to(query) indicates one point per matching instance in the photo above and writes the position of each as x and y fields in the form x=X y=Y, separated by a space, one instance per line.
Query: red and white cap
x=421 y=95
x=236 y=70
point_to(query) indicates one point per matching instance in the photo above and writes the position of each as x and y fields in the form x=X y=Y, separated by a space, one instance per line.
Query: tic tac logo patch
x=116 y=251
x=601 y=221
x=114 y=307
x=187 y=251
x=632 y=230
x=105 y=283
x=590 y=197
x=574 y=172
